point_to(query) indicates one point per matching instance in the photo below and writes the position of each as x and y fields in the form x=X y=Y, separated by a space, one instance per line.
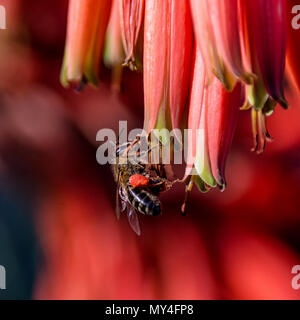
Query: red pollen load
x=137 y=180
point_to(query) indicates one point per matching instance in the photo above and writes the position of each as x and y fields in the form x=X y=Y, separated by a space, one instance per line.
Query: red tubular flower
x=293 y=50
x=87 y=22
x=203 y=18
x=181 y=49
x=113 y=51
x=195 y=106
x=131 y=18
x=226 y=27
x=167 y=58
x=213 y=115
x=155 y=62
x=222 y=119
x=239 y=41
x=202 y=161
x=266 y=32
x=245 y=39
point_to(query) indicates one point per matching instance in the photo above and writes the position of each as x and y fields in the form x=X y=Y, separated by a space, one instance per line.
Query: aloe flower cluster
x=202 y=61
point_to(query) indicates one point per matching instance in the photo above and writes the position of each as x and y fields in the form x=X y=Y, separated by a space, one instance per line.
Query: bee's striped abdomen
x=144 y=202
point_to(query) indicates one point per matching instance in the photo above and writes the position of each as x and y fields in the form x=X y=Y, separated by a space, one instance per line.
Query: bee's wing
x=133 y=220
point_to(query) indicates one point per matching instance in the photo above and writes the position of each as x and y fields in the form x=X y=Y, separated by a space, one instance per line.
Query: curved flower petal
x=195 y=107
x=203 y=18
x=87 y=22
x=266 y=32
x=226 y=26
x=155 y=60
x=202 y=160
x=213 y=115
x=222 y=119
x=167 y=58
x=131 y=18
x=113 y=51
x=198 y=154
x=181 y=54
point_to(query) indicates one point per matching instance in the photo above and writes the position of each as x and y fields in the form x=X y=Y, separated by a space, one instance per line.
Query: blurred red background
x=59 y=235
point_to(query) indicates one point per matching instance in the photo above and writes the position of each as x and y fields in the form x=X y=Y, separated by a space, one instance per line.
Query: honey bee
x=138 y=186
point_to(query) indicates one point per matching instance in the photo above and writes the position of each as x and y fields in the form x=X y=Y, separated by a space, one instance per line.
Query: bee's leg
x=133 y=220
x=130 y=156
x=159 y=167
x=155 y=184
x=136 y=140
x=156 y=166
x=164 y=184
x=151 y=147
x=188 y=189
